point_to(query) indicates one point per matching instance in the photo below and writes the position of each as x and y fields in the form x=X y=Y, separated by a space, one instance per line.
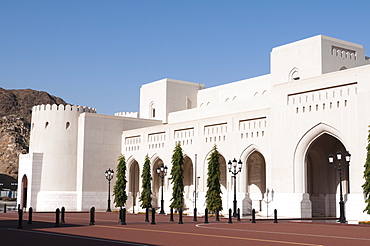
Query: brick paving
x=108 y=231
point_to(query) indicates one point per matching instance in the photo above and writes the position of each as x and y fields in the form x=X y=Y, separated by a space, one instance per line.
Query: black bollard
x=20 y=218
x=275 y=216
x=19 y=207
x=230 y=219
x=146 y=214
x=171 y=214
x=153 y=216
x=30 y=210
x=123 y=216
x=217 y=214
x=92 y=216
x=4 y=207
x=120 y=215
x=63 y=212
x=238 y=219
x=180 y=216
x=206 y=216
x=253 y=216
x=57 y=216
x=195 y=214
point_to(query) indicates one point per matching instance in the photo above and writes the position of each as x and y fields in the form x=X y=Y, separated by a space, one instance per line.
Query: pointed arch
x=156 y=162
x=152 y=110
x=294 y=74
x=300 y=152
x=188 y=181
x=24 y=191
x=322 y=179
x=254 y=174
x=223 y=169
x=133 y=182
x=188 y=171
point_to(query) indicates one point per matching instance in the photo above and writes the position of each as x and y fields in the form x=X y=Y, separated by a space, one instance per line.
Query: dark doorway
x=323 y=180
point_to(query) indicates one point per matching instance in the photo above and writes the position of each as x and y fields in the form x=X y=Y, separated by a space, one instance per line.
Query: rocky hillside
x=15 y=119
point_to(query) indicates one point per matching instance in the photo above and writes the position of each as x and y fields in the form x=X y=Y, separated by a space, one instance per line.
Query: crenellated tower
x=54 y=136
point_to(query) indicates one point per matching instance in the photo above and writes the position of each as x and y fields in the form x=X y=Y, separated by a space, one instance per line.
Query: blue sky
x=98 y=53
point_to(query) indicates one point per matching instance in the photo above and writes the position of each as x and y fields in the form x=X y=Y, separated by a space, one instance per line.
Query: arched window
x=152 y=110
x=294 y=74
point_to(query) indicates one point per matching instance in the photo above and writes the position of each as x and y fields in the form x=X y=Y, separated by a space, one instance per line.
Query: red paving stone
x=108 y=231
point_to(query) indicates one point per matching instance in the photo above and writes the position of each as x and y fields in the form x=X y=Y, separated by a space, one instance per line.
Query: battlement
x=128 y=114
x=62 y=107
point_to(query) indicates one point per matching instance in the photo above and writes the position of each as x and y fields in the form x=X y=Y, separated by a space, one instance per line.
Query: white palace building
x=282 y=126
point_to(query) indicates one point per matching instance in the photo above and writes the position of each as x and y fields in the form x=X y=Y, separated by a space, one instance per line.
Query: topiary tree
x=146 y=178
x=119 y=190
x=366 y=185
x=177 y=176
x=213 y=195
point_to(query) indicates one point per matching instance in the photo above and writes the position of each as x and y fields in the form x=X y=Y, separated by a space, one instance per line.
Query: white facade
x=282 y=126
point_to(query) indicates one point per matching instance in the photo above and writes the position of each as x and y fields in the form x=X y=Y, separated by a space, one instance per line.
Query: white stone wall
x=166 y=96
x=54 y=133
x=51 y=200
x=99 y=145
x=279 y=115
x=296 y=113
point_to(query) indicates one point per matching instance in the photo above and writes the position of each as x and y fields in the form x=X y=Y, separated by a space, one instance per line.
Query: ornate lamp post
x=162 y=171
x=109 y=176
x=234 y=171
x=340 y=167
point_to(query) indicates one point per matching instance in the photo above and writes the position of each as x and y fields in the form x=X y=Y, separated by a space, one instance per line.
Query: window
x=294 y=74
x=152 y=110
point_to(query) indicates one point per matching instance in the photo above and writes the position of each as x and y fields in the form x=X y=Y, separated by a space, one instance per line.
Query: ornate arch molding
x=154 y=159
x=130 y=161
x=294 y=74
x=248 y=151
x=300 y=152
x=205 y=167
x=205 y=161
x=244 y=157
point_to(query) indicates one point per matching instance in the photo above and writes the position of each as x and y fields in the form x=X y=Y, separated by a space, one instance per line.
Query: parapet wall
x=127 y=114
x=61 y=107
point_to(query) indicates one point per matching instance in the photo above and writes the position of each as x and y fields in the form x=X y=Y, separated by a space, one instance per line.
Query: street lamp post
x=267 y=200
x=234 y=171
x=340 y=167
x=109 y=176
x=162 y=171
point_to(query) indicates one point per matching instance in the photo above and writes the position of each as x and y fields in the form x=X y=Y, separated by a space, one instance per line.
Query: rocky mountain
x=15 y=120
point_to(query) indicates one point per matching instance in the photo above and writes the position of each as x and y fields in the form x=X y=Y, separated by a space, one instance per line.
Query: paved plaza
x=108 y=231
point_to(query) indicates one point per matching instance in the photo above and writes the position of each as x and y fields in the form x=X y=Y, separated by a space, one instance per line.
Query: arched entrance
x=223 y=178
x=188 y=182
x=134 y=183
x=322 y=180
x=256 y=179
x=223 y=181
x=24 y=191
x=157 y=184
